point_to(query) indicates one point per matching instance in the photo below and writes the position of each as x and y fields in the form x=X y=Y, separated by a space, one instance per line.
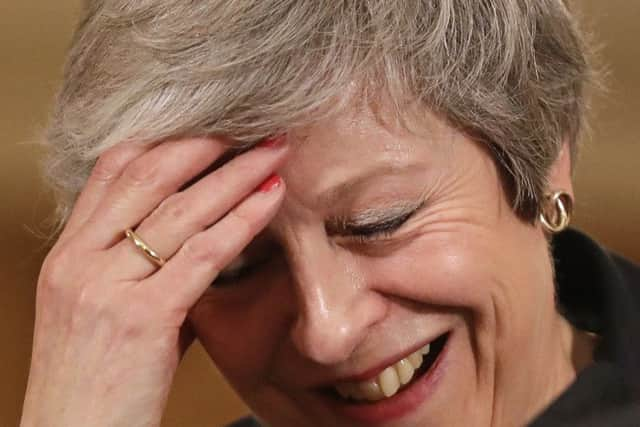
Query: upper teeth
x=388 y=382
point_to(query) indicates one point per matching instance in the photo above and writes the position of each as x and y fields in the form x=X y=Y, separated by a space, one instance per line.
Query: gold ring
x=145 y=248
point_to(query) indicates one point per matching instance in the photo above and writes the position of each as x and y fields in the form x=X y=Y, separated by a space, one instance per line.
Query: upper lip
x=373 y=371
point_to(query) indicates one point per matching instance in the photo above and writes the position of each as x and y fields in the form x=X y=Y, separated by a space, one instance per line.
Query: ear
x=559 y=177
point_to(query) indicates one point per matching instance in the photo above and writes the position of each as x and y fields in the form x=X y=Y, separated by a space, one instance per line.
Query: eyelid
x=390 y=223
x=253 y=257
x=386 y=226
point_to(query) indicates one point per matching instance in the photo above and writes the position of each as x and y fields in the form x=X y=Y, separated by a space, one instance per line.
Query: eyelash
x=379 y=231
x=231 y=278
x=369 y=236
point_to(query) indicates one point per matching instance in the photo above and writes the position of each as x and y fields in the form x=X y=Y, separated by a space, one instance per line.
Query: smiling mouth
x=393 y=379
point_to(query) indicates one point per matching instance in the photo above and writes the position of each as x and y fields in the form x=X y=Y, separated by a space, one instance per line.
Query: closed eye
x=239 y=268
x=257 y=256
x=372 y=225
x=383 y=228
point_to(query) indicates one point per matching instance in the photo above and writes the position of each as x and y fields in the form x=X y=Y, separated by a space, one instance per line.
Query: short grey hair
x=509 y=73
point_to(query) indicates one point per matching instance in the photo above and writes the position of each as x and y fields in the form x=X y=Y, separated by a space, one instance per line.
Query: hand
x=110 y=325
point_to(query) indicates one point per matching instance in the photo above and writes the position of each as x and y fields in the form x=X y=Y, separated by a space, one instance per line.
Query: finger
x=183 y=214
x=143 y=184
x=184 y=278
x=106 y=171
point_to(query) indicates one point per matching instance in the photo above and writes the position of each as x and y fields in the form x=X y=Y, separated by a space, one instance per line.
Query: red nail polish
x=270 y=183
x=273 y=142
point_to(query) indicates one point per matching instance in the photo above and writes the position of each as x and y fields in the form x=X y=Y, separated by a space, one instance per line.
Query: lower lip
x=400 y=405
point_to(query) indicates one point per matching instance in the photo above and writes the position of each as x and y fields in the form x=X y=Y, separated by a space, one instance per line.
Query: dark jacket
x=599 y=292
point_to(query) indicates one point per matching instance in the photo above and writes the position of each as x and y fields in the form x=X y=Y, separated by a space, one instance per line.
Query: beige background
x=33 y=39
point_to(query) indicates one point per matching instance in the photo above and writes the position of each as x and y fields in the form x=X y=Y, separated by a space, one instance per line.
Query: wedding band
x=146 y=249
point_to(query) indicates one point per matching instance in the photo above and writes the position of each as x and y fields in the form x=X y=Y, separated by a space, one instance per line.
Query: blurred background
x=34 y=36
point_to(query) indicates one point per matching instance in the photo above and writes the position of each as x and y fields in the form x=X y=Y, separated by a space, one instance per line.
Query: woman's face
x=387 y=242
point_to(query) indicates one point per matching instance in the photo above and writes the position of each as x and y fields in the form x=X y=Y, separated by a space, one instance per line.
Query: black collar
x=598 y=291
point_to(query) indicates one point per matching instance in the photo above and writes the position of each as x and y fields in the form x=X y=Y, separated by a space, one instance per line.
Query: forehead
x=358 y=152
x=358 y=139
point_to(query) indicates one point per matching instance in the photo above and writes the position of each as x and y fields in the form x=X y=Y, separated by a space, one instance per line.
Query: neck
x=574 y=353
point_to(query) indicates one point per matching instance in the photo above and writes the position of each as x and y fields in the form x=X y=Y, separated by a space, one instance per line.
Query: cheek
x=241 y=333
x=494 y=275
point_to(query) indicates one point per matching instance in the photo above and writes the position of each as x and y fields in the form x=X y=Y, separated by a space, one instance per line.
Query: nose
x=335 y=307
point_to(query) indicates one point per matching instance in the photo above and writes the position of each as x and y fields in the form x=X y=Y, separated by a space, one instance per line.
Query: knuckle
x=173 y=208
x=111 y=163
x=141 y=173
x=238 y=229
x=107 y=167
x=201 y=251
x=243 y=223
x=243 y=167
x=56 y=269
x=86 y=300
x=231 y=171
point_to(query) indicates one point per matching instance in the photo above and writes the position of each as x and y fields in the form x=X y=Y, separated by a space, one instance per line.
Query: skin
x=322 y=303
x=327 y=305
x=110 y=327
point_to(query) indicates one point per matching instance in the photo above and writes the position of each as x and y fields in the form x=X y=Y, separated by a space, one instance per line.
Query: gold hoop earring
x=556 y=211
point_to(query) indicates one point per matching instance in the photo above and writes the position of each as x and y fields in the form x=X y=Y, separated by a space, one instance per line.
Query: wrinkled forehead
x=359 y=141
x=356 y=149
x=358 y=134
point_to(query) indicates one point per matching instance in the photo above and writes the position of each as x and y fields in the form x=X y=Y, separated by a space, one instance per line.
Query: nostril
x=328 y=342
x=332 y=321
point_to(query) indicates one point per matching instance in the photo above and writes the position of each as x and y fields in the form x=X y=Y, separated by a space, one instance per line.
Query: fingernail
x=273 y=142
x=270 y=183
